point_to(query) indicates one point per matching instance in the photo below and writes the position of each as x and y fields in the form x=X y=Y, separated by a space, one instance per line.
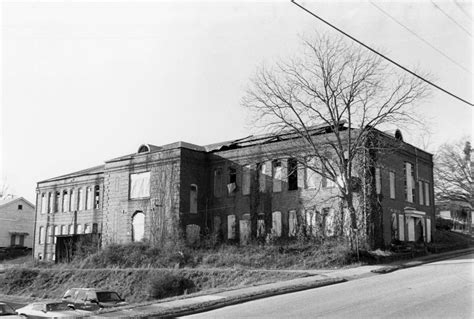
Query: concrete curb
x=161 y=311
x=423 y=260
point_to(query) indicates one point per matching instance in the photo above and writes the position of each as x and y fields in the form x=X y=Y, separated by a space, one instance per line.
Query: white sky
x=84 y=82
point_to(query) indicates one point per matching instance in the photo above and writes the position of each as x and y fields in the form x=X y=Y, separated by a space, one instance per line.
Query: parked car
x=92 y=299
x=50 y=310
x=6 y=311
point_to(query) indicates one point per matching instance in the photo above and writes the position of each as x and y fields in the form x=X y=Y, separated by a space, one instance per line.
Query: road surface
x=442 y=289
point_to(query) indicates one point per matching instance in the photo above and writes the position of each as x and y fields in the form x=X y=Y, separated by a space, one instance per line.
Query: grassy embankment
x=140 y=272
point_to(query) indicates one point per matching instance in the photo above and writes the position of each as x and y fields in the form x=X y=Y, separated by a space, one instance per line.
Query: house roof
x=9 y=200
x=88 y=171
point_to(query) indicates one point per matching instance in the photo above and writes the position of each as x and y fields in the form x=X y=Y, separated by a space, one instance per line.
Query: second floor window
x=140 y=185
x=292 y=174
x=409 y=182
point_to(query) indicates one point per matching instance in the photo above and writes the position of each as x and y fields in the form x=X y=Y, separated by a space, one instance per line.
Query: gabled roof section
x=85 y=172
x=13 y=199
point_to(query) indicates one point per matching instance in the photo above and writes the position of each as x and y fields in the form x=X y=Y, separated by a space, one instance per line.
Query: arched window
x=138 y=226
x=193 y=199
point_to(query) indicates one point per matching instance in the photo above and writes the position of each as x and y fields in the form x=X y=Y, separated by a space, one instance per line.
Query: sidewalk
x=321 y=278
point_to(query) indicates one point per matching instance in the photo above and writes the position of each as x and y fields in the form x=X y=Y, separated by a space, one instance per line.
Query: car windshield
x=6 y=310
x=107 y=296
x=57 y=306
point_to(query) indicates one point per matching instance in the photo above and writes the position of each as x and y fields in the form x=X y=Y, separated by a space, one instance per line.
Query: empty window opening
x=232 y=185
x=292 y=174
x=97 y=197
x=20 y=207
x=217 y=182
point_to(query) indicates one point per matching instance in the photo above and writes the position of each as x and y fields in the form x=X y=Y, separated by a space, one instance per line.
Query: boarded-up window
x=420 y=192
x=427 y=194
x=87 y=229
x=44 y=204
x=428 y=230
x=140 y=185
x=262 y=177
x=193 y=199
x=292 y=171
x=41 y=235
x=244 y=229
x=409 y=183
x=231 y=227
x=394 y=228
x=65 y=204
x=218 y=182
x=49 y=234
x=72 y=201
x=89 y=198
x=193 y=233
x=138 y=226
x=401 y=227
x=277 y=175
x=378 y=183
x=50 y=202
x=246 y=176
x=80 y=194
x=311 y=227
x=63 y=230
x=55 y=233
x=392 y=184
x=276 y=224
x=260 y=226
x=292 y=223
x=57 y=201
x=311 y=175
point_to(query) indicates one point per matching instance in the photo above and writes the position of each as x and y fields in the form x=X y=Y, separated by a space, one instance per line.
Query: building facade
x=237 y=190
x=17 y=217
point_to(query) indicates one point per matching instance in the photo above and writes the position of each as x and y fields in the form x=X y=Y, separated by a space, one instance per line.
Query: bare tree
x=333 y=84
x=4 y=189
x=453 y=178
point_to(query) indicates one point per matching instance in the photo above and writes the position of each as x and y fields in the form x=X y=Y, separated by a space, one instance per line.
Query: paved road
x=442 y=289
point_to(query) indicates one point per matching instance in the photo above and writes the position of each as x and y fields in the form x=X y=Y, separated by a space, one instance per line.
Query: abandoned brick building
x=237 y=189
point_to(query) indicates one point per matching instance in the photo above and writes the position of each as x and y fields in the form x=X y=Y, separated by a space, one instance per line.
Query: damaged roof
x=88 y=171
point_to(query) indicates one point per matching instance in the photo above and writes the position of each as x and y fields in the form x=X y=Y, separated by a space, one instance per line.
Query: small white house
x=17 y=222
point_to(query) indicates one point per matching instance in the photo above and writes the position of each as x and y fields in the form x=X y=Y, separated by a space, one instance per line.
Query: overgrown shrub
x=164 y=285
